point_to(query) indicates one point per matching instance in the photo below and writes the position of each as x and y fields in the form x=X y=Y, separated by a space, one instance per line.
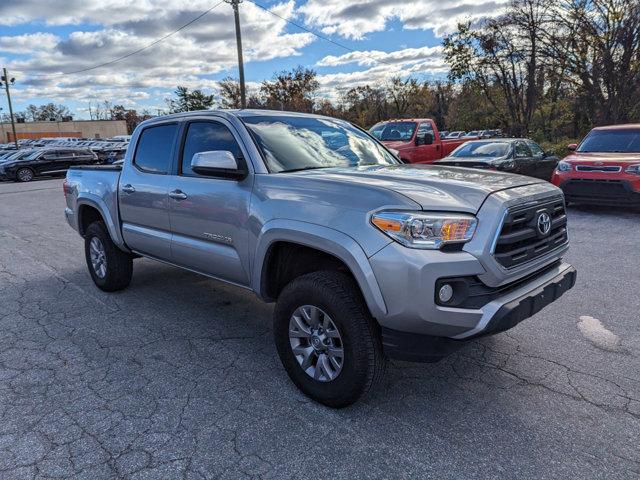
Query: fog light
x=445 y=293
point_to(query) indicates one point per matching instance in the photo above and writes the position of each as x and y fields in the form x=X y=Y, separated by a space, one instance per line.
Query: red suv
x=604 y=169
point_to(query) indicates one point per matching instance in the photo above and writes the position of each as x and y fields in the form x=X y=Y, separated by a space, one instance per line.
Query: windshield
x=394 y=131
x=625 y=140
x=301 y=143
x=481 y=149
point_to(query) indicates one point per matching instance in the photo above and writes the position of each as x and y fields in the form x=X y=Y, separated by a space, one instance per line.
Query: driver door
x=209 y=214
x=542 y=164
x=426 y=152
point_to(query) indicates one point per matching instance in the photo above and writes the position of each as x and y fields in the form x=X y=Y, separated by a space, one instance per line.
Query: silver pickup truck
x=365 y=257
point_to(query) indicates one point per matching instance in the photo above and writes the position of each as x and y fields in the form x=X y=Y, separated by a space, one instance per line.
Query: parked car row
x=51 y=156
x=108 y=150
x=445 y=134
x=604 y=169
x=25 y=164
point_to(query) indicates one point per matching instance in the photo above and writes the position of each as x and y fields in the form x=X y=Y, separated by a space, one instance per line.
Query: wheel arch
x=336 y=248
x=90 y=209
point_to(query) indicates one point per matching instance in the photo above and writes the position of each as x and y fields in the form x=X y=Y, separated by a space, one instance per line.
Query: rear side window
x=153 y=153
x=207 y=137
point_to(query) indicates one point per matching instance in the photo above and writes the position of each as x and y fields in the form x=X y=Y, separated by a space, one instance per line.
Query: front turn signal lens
x=426 y=230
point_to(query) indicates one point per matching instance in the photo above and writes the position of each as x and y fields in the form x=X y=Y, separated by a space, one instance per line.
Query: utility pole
x=5 y=78
x=2 y=137
x=236 y=13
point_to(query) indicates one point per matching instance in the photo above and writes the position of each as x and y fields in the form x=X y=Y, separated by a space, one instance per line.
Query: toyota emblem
x=544 y=223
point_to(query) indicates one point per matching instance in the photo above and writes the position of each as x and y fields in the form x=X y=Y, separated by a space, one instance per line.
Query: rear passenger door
x=209 y=214
x=143 y=191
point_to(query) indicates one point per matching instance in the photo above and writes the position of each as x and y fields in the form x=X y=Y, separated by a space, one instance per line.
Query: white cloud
x=207 y=48
x=358 y=18
x=28 y=43
x=188 y=58
x=377 y=57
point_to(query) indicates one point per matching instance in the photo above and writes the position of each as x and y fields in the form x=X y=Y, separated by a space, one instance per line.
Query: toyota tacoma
x=366 y=258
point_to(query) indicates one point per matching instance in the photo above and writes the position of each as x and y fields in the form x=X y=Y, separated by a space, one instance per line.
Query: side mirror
x=572 y=146
x=217 y=163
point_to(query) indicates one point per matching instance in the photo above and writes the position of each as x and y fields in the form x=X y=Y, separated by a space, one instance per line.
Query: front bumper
x=499 y=315
x=598 y=191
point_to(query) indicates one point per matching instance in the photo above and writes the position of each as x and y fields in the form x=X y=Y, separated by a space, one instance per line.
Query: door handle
x=178 y=195
x=128 y=188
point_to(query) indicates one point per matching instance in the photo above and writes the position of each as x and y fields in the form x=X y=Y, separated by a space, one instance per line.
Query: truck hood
x=432 y=187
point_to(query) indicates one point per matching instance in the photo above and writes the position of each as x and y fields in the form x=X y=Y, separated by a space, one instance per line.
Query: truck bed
x=95 y=186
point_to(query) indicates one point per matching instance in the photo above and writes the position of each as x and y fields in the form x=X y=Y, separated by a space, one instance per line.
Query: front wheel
x=326 y=338
x=110 y=268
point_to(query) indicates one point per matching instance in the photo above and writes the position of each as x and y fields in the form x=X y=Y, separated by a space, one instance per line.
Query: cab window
x=155 y=148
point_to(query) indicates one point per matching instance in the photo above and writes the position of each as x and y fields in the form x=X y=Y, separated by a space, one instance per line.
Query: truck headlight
x=426 y=230
x=633 y=169
x=564 y=166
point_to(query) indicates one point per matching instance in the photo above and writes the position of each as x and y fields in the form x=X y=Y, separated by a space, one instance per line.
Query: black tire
x=119 y=264
x=363 y=364
x=24 y=174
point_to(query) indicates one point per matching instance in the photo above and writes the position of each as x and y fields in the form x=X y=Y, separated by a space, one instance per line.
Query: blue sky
x=41 y=41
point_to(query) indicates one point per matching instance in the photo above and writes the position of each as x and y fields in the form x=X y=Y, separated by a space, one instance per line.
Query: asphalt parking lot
x=178 y=377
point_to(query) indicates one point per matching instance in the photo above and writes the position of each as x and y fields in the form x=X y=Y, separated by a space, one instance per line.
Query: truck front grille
x=521 y=239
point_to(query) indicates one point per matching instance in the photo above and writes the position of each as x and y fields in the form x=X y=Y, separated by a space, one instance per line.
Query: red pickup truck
x=416 y=140
x=604 y=169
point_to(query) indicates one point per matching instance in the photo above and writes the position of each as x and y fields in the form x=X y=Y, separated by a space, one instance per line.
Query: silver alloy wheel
x=25 y=175
x=316 y=343
x=98 y=257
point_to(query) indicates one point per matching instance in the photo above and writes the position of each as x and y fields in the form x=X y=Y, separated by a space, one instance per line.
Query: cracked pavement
x=178 y=377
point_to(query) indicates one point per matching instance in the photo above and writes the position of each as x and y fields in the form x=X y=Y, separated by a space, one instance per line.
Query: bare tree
x=505 y=52
x=599 y=42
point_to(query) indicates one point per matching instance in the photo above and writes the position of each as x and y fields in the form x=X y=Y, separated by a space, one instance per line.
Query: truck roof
x=228 y=114
x=623 y=126
x=236 y=113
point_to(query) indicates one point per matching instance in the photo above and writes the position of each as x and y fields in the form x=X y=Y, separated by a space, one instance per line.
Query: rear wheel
x=24 y=175
x=110 y=268
x=326 y=338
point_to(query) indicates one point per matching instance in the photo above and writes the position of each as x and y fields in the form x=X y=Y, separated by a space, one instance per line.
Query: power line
x=130 y=54
x=321 y=37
